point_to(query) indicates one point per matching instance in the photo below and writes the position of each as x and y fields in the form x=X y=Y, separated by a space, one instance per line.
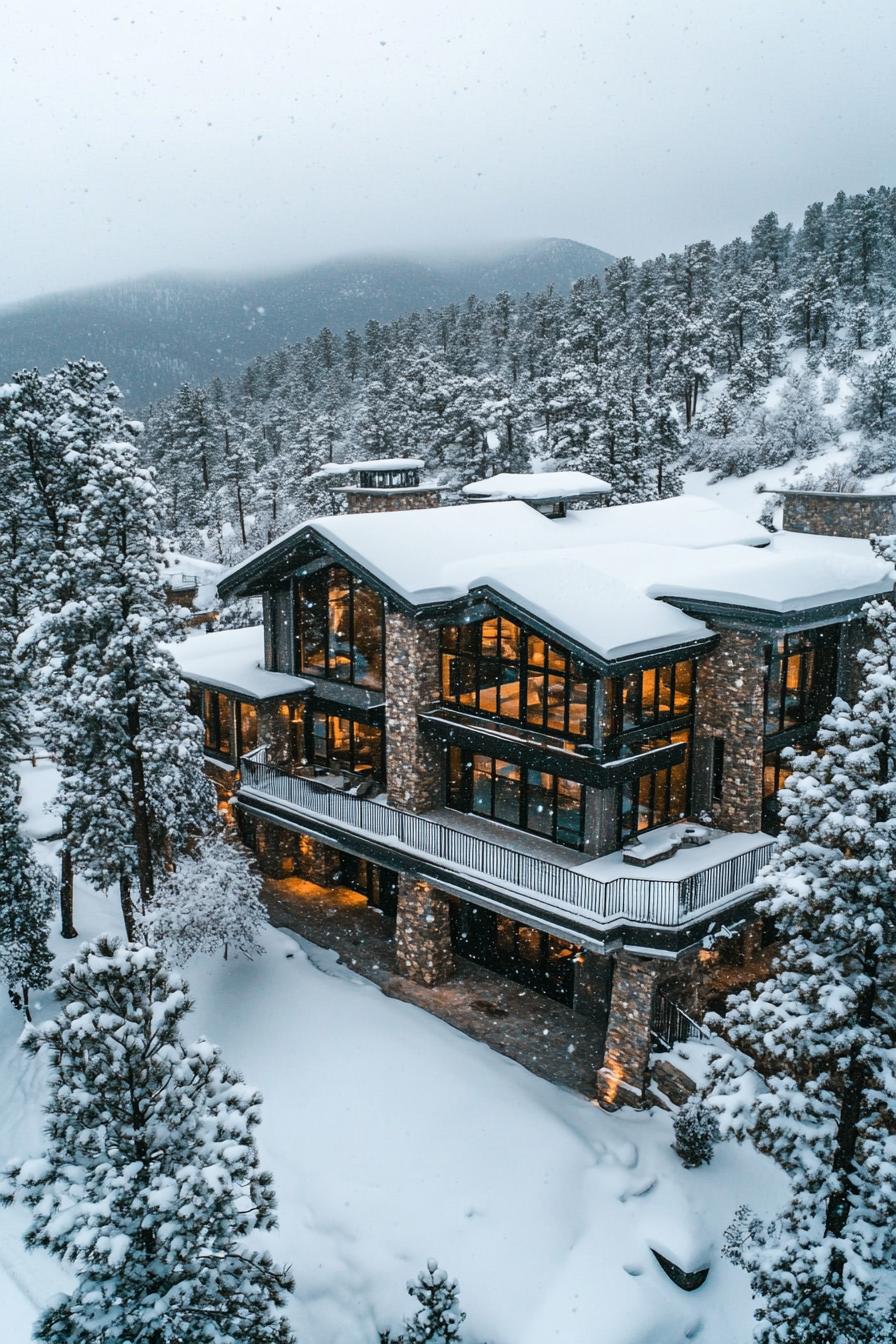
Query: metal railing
x=653 y=902
x=181 y=583
x=671 y=1024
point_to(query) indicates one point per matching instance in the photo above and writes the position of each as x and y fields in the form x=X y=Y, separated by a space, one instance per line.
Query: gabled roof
x=612 y=580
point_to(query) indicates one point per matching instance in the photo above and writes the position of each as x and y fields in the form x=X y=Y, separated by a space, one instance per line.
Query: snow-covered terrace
x=548 y=885
x=233 y=661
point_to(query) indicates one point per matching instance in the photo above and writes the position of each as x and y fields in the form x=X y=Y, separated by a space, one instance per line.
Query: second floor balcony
x=598 y=902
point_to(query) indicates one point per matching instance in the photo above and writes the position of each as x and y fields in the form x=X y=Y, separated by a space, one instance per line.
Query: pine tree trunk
x=25 y=1004
x=140 y=813
x=239 y=505
x=127 y=907
x=852 y=1110
x=67 y=891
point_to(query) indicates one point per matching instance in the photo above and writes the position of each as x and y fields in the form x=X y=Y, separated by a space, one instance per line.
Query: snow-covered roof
x=233 y=660
x=374 y=464
x=539 y=485
x=205 y=572
x=610 y=579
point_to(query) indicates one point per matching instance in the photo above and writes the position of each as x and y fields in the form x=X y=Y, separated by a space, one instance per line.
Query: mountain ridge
x=159 y=331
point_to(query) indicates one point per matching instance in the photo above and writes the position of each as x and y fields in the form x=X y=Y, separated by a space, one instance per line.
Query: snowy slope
x=394 y=1138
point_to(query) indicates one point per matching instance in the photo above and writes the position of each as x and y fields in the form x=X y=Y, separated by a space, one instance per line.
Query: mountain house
x=545 y=739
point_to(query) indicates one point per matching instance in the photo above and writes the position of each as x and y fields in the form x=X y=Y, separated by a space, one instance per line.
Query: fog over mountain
x=160 y=331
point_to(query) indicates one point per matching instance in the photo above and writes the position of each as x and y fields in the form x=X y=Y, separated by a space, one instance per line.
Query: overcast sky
x=244 y=134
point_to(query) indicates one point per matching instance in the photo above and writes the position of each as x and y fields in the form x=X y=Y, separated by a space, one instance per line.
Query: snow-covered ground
x=393 y=1138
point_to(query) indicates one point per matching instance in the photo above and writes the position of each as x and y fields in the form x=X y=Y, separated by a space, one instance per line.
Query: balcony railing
x=655 y=902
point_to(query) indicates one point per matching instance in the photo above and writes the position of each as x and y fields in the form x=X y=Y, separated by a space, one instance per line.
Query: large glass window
x=247 y=724
x=800 y=684
x=647 y=696
x=802 y=679
x=531 y=800
x=216 y=716
x=658 y=798
x=339 y=628
x=501 y=669
x=534 y=959
x=346 y=744
x=635 y=706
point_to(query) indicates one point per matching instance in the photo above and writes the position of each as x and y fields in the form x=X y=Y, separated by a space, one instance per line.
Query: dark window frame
x=659 y=800
x=321 y=745
x=465 y=669
x=312 y=605
x=813 y=654
x=214 y=742
x=459 y=796
x=630 y=713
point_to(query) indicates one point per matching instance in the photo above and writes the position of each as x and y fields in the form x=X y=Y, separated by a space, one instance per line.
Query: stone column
x=413 y=761
x=624 y=1075
x=423 y=949
x=730 y=706
x=275 y=849
x=273 y=729
x=315 y=861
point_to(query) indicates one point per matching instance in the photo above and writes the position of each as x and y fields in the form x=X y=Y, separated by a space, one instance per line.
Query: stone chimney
x=382 y=486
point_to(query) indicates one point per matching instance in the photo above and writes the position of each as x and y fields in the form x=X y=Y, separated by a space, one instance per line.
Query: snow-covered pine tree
x=130 y=755
x=822 y=1029
x=26 y=887
x=208 y=902
x=438 y=1318
x=150 y=1181
x=50 y=428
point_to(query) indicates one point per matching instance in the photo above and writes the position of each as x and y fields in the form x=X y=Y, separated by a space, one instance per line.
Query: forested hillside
x=775 y=350
x=159 y=332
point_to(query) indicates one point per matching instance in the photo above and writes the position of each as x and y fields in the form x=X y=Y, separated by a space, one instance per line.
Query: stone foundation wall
x=413 y=761
x=423 y=949
x=360 y=501
x=833 y=515
x=730 y=705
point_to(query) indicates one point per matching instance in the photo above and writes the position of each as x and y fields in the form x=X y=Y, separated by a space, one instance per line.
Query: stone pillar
x=624 y=1075
x=833 y=514
x=315 y=861
x=423 y=950
x=413 y=761
x=275 y=849
x=730 y=706
x=273 y=729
